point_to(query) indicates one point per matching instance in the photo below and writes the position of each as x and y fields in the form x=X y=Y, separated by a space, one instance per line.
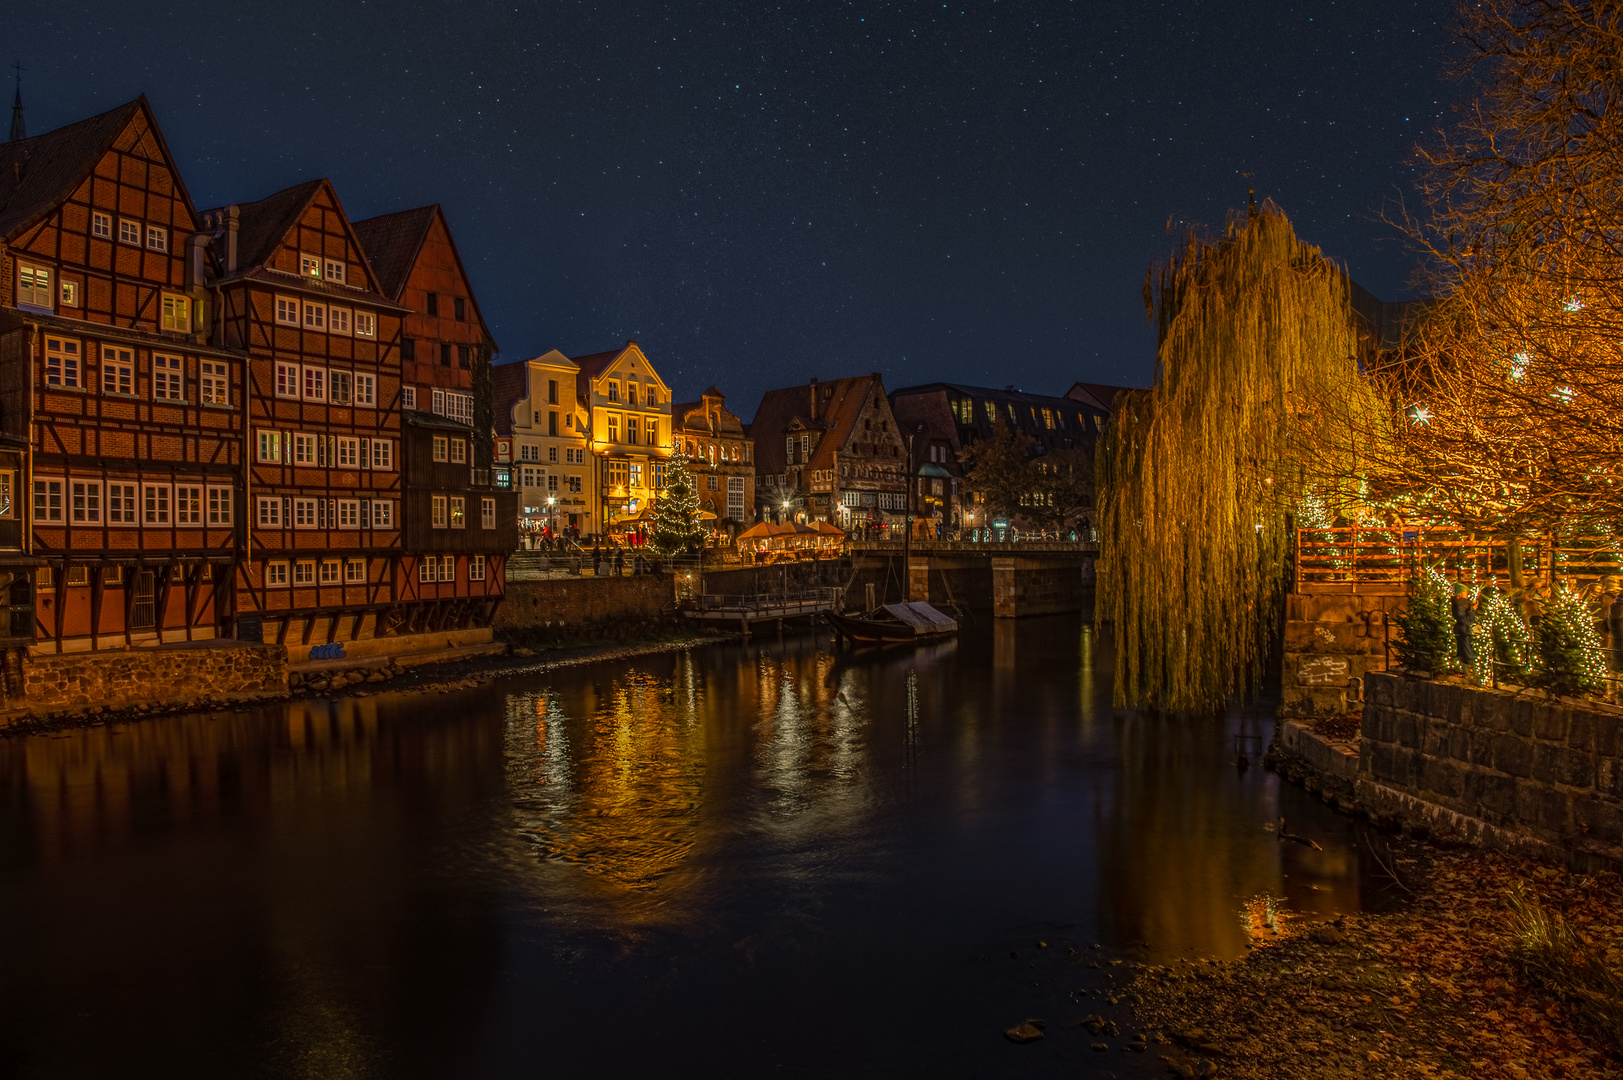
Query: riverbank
x=527 y=655
x=1435 y=989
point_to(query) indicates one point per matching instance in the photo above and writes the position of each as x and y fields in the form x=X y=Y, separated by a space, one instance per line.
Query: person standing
x=1464 y=616
x=619 y=561
x=597 y=559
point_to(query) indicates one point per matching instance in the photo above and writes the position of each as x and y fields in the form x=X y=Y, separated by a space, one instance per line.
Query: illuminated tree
x=1570 y=656
x=1499 y=636
x=1427 y=623
x=1257 y=405
x=676 y=525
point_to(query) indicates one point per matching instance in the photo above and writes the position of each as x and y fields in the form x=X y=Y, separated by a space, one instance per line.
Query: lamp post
x=907 y=527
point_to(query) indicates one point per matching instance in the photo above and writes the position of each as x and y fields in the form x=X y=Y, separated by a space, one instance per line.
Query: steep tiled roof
x=264 y=223
x=592 y=364
x=509 y=384
x=839 y=404
x=53 y=164
x=1099 y=395
x=391 y=242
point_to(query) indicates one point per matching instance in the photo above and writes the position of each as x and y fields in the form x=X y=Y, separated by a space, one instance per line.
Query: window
x=529 y=453
x=33 y=285
x=428 y=568
x=101 y=225
x=366 y=391
x=476 y=568
x=304 y=513
x=315 y=316
x=552 y=422
x=177 y=313
x=335 y=269
x=617 y=474
x=287 y=380
x=530 y=476
x=382 y=514
x=349 y=514
x=287 y=311
x=487 y=513
x=188 y=505
x=650 y=396
x=805 y=444
x=552 y=454
x=789 y=448
x=155 y=506
x=437 y=511
x=366 y=324
x=552 y=391
x=129 y=232
x=219 y=506
x=614 y=391
x=310 y=265
x=408 y=397
x=330 y=571
x=552 y=482
x=463 y=360
x=304 y=450
x=70 y=294
x=269 y=446
x=349 y=452
x=270 y=513
x=574 y=485
x=459 y=451
x=214 y=383
x=636 y=474
x=439 y=448
x=339 y=320
x=459 y=516
x=715 y=482
x=431 y=304
x=304 y=572
x=382 y=454
x=355 y=571
x=86 y=502
x=575 y=455
x=460 y=307
x=631 y=430
x=47 y=500
x=157 y=239
x=167 y=382
x=614 y=428
x=117 y=370
x=276 y=574
x=735 y=498
x=651 y=427
x=315 y=384
x=445 y=354
x=338 y=387
x=408 y=349
x=121 y=504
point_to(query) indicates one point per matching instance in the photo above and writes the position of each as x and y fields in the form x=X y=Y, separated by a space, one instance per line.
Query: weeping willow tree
x=1257 y=404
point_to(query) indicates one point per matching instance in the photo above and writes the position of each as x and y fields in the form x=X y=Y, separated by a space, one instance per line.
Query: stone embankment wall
x=1517 y=772
x=579 y=603
x=1331 y=642
x=201 y=673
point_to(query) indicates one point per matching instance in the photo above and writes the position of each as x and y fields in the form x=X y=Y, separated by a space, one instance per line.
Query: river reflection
x=774 y=858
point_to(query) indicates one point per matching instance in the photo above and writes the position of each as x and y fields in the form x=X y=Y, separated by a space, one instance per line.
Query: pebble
x=1024 y=1033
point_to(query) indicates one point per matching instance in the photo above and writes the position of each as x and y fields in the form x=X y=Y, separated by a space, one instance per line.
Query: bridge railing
x=803 y=601
x=1358 y=558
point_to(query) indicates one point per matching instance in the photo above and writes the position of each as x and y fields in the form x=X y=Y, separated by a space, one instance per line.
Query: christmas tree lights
x=676 y=512
x=1571 y=659
x=1427 y=625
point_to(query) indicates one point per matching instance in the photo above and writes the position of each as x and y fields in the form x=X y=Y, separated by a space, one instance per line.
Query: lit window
x=614 y=391
x=155 y=510
x=47 y=500
x=439 y=448
x=335 y=270
x=315 y=316
x=310 y=265
x=437 y=510
x=214 y=383
x=459 y=451
x=33 y=285
x=459 y=517
x=188 y=505
x=631 y=430
x=157 y=239
x=101 y=225
x=614 y=428
x=270 y=446
x=70 y=294
x=129 y=232
x=219 y=506
x=276 y=574
x=476 y=568
x=355 y=571
x=315 y=384
x=304 y=572
x=651 y=427
x=287 y=311
x=86 y=502
x=338 y=388
x=428 y=568
x=177 y=313
x=167 y=383
x=338 y=320
x=117 y=370
x=121 y=505
x=366 y=324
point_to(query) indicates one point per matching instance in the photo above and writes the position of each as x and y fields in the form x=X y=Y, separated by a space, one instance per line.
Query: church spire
x=18 y=131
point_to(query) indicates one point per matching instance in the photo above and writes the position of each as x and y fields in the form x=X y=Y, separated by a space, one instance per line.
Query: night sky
x=761 y=194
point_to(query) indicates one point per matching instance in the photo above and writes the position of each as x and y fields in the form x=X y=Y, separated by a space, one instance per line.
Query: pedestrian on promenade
x=1464 y=616
x=597 y=559
x=619 y=561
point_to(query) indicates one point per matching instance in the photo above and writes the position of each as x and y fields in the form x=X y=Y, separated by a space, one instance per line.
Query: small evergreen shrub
x=1427 y=624
x=1570 y=656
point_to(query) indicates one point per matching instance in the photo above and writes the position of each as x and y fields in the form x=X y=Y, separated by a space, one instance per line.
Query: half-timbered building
x=122 y=416
x=459 y=516
x=322 y=509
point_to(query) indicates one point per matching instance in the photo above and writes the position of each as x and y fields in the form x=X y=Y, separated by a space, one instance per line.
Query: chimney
x=229 y=219
x=814 y=399
x=197 y=260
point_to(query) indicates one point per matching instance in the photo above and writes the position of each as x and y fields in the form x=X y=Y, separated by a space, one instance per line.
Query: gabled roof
x=57 y=162
x=392 y=242
x=1099 y=395
x=839 y=404
x=509 y=385
x=594 y=364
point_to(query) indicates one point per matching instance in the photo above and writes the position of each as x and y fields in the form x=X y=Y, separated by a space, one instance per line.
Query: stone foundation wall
x=577 y=603
x=1331 y=642
x=1032 y=586
x=202 y=673
x=1512 y=771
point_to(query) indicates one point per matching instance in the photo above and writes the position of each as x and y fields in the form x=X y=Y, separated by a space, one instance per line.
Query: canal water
x=773 y=859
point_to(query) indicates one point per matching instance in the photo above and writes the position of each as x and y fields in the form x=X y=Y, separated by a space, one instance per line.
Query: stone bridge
x=1023 y=577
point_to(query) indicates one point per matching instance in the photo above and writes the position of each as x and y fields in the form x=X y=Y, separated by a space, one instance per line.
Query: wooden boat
x=892 y=623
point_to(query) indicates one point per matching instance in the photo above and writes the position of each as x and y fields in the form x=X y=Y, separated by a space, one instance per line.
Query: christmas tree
x=1500 y=637
x=1569 y=651
x=676 y=511
x=1427 y=625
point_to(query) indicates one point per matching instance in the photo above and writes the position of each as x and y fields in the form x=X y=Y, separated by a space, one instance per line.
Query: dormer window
x=34 y=285
x=614 y=391
x=157 y=239
x=631 y=393
x=335 y=269
x=310 y=266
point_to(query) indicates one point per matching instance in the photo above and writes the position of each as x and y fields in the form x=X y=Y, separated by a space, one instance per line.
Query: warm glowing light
x=1419 y=415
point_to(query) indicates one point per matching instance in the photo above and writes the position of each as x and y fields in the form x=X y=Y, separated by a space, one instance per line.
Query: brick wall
x=1513 y=771
x=202 y=672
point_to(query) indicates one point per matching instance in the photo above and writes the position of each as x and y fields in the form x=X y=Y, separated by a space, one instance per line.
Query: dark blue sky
x=759 y=194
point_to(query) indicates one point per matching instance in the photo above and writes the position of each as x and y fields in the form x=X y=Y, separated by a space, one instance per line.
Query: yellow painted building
x=628 y=409
x=541 y=435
